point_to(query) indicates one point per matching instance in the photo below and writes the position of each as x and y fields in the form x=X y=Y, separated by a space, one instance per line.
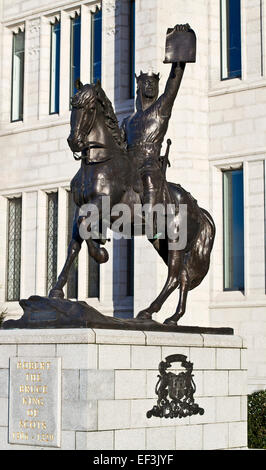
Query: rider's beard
x=143 y=101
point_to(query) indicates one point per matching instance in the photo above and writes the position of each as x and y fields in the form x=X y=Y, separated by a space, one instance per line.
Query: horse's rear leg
x=175 y=263
x=181 y=308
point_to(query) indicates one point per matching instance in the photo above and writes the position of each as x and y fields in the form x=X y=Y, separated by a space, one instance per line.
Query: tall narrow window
x=17 y=76
x=94 y=278
x=14 y=248
x=233 y=202
x=261 y=39
x=72 y=283
x=231 y=38
x=130 y=267
x=75 y=42
x=96 y=41
x=55 y=67
x=52 y=236
x=132 y=48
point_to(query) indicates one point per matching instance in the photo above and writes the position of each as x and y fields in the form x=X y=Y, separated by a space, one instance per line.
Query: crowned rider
x=145 y=129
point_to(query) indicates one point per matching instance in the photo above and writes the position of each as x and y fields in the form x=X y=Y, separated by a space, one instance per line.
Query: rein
x=89 y=146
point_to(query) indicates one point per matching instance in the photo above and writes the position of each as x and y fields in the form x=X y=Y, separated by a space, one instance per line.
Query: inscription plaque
x=35 y=401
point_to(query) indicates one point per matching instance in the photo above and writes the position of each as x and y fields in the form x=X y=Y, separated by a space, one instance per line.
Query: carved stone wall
x=108 y=386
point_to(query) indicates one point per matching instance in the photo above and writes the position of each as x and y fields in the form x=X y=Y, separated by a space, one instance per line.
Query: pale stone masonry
x=108 y=385
x=215 y=125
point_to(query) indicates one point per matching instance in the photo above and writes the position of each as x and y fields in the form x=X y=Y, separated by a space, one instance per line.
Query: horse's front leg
x=72 y=252
x=175 y=263
x=86 y=223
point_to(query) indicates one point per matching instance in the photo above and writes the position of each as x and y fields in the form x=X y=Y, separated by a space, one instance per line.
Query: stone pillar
x=64 y=64
x=32 y=69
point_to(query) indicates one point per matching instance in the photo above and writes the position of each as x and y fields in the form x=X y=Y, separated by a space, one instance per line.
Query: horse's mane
x=109 y=114
x=84 y=96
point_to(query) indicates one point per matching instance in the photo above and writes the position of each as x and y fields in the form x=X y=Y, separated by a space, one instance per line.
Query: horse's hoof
x=103 y=256
x=144 y=315
x=172 y=321
x=56 y=294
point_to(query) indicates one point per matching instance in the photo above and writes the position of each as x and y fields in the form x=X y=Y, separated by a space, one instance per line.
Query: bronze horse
x=107 y=170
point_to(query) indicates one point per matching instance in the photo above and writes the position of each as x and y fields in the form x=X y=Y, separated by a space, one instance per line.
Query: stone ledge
x=222 y=341
x=157 y=338
x=103 y=336
x=109 y=336
x=44 y=336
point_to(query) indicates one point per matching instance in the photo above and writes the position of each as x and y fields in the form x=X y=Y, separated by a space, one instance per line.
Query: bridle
x=87 y=148
x=89 y=145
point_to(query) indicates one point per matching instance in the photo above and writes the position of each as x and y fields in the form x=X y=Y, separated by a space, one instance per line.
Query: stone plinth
x=108 y=380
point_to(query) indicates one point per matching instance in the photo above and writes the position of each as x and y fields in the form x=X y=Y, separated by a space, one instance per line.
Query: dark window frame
x=93 y=78
x=17 y=260
x=50 y=281
x=240 y=288
x=93 y=276
x=72 y=76
x=132 y=43
x=21 y=111
x=73 y=277
x=232 y=74
x=130 y=267
x=57 y=23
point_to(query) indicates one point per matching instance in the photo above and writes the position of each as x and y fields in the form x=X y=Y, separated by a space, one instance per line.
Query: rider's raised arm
x=166 y=100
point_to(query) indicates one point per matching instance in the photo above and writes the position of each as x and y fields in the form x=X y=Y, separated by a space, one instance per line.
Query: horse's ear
x=98 y=84
x=78 y=84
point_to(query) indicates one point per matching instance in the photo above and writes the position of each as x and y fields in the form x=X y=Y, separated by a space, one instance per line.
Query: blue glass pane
x=75 y=53
x=55 y=68
x=234 y=38
x=132 y=48
x=97 y=46
x=233 y=230
x=238 y=229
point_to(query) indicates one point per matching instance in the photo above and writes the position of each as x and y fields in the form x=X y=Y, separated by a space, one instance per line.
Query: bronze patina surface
x=125 y=165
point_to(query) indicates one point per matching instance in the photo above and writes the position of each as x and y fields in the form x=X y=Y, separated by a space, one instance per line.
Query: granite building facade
x=218 y=129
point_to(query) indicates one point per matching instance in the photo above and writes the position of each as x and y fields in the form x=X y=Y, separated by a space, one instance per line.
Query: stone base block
x=107 y=385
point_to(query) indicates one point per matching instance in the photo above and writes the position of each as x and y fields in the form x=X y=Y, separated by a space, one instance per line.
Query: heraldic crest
x=175 y=392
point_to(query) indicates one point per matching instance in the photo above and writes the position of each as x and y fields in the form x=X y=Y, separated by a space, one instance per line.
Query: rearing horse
x=106 y=170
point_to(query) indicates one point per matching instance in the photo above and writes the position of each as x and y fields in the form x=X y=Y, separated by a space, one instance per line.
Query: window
x=14 y=248
x=72 y=283
x=55 y=67
x=130 y=267
x=52 y=236
x=94 y=278
x=96 y=41
x=231 y=38
x=17 y=76
x=75 y=42
x=132 y=48
x=233 y=214
x=264 y=168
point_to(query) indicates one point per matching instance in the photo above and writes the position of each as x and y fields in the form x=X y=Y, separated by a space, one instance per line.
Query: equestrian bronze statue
x=124 y=164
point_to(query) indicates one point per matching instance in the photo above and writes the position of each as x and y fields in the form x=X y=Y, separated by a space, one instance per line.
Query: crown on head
x=149 y=74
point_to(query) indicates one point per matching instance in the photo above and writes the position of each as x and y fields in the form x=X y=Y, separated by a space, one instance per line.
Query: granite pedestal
x=104 y=383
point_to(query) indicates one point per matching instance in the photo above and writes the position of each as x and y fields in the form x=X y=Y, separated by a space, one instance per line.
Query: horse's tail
x=200 y=252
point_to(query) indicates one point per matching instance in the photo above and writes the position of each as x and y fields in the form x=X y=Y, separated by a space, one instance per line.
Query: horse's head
x=82 y=116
